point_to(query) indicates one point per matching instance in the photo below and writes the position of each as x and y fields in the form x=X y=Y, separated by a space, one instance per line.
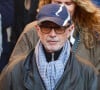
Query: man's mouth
x=52 y=42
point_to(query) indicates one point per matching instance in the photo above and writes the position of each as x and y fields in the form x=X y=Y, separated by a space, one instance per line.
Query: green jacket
x=23 y=74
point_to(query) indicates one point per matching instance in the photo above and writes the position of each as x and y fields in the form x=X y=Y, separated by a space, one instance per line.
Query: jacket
x=26 y=42
x=22 y=17
x=7 y=12
x=91 y=54
x=24 y=75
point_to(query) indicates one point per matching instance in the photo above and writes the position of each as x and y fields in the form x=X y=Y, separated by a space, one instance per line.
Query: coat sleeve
x=5 y=80
x=93 y=80
x=26 y=42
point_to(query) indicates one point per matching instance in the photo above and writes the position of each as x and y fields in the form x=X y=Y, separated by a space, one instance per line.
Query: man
x=51 y=65
x=87 y=31
x=25 y=42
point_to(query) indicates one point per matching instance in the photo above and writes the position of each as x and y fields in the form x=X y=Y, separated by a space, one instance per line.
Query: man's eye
x=68 y=3
x=57 y=2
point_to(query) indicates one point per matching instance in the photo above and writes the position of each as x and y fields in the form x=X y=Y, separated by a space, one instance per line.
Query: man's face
x=70 y=5
x=53 y=39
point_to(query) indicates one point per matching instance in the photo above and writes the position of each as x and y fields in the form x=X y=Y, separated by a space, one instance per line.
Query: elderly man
x=51 y=65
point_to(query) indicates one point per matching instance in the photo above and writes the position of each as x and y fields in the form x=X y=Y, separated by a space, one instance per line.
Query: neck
x=52 y=56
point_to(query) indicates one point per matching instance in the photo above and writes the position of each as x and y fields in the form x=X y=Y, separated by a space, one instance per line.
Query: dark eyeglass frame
x=58 y=29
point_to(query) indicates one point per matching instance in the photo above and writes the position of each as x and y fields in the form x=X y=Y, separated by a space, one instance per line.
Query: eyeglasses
x=58 y=29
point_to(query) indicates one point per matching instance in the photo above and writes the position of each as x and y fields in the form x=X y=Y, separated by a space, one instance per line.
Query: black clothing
x=23 y=17
x=54 y=55
x=7 y=20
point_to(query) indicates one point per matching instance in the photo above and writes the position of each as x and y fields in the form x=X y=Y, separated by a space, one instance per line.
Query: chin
x=53 y=49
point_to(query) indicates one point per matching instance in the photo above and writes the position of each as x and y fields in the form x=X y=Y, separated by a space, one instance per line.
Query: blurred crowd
x=15 y=14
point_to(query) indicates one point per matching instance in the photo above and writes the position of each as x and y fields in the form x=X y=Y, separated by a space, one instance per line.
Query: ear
x=71 y=28
x=37 y=29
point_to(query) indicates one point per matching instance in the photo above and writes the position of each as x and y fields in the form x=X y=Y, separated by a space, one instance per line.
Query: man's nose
x=52 y=33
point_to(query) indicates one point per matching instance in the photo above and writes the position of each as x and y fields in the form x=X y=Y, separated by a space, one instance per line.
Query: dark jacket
x=7 y=12
x=24 y=75
x=23 y=17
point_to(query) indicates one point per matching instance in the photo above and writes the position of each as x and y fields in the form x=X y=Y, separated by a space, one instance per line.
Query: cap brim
x=58 y=21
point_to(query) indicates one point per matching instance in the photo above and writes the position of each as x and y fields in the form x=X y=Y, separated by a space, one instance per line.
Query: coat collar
x=31 y=74
x=32 y=77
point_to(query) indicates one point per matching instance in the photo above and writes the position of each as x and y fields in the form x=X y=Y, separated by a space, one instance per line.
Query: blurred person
x=25 y=12
x=0 y=37
x=86 y=33
x=6 y=10
x=16 y=14
x=51 y=65
x=7 y=13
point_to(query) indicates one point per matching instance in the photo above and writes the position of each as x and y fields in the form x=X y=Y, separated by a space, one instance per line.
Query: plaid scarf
x=52 y=71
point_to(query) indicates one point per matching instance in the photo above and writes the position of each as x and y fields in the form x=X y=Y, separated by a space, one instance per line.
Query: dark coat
x=23 y=17
x=7 y=12
x=24 y=75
